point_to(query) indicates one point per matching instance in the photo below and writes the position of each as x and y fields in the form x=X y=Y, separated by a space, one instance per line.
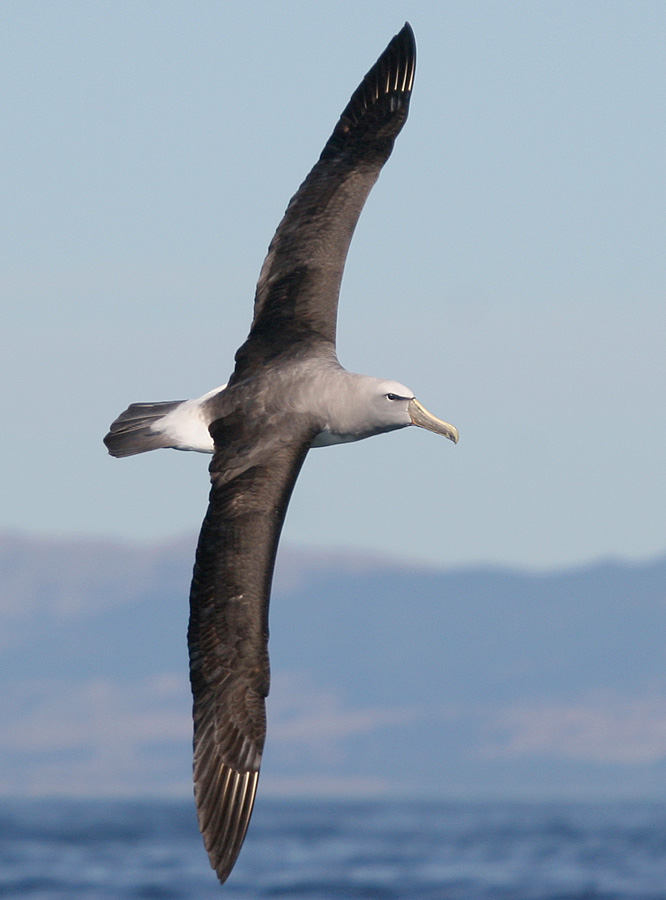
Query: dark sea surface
x=323 y=850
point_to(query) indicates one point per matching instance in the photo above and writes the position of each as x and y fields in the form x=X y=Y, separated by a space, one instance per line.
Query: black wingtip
x=378 y=107
x=408 y=32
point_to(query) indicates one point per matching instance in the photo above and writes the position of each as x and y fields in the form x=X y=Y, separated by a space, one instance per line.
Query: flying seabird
x=287 y=393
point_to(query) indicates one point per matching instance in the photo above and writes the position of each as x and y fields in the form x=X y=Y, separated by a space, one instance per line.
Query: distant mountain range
x=388 y=678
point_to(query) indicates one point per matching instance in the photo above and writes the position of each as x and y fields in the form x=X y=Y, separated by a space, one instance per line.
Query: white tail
x=178 y=424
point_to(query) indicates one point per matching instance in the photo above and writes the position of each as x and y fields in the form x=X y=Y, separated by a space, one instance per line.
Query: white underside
x=187 y=425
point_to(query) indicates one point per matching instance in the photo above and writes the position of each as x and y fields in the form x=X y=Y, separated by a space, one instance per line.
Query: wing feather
x=228 y=631
x=297 y=293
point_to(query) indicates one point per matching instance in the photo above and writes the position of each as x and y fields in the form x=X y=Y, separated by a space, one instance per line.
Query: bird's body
x=288 y=393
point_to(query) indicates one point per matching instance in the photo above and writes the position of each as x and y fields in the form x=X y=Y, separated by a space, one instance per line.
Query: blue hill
x=387 y=677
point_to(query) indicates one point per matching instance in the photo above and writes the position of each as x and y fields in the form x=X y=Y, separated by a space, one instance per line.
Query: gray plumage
x=133 y=431
x=286 y=394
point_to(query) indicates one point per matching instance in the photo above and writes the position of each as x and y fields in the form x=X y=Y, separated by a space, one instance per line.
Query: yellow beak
x=424 y=419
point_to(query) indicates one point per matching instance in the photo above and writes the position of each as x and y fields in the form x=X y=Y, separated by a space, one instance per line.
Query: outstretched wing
x=252 y=479
x=297 y=293
x=255 y=466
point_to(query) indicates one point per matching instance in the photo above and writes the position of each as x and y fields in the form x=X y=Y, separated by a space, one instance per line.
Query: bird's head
x=394 y=406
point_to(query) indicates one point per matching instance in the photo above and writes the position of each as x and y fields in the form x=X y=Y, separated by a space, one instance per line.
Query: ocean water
x=66 y=850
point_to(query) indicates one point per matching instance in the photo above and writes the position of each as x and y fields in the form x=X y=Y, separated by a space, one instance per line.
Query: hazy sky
x=510 y=265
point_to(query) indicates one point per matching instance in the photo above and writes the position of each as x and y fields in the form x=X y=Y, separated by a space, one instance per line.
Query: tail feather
x=134 y=430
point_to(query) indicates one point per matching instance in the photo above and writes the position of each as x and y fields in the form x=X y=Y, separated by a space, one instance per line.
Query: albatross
x=287 y=393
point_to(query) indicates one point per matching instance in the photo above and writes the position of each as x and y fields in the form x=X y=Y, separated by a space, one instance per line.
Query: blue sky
x=509 y=266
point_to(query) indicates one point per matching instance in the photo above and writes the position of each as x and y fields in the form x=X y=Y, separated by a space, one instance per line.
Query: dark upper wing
x=252 y=479
x=297 y=292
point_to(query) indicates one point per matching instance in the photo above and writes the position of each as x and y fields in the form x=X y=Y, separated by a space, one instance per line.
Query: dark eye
x=393 y=397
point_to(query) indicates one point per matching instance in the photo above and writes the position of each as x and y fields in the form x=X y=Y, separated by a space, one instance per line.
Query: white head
x=386 y=404
x=363 y=406
x=395 y=406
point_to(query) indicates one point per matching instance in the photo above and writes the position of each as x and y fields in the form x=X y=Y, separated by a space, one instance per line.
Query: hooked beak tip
x=424 y=419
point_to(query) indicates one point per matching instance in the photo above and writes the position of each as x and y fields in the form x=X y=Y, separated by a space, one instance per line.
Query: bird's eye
x=392 y=397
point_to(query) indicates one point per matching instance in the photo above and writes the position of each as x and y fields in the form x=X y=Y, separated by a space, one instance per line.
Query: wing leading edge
x=296 y=298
